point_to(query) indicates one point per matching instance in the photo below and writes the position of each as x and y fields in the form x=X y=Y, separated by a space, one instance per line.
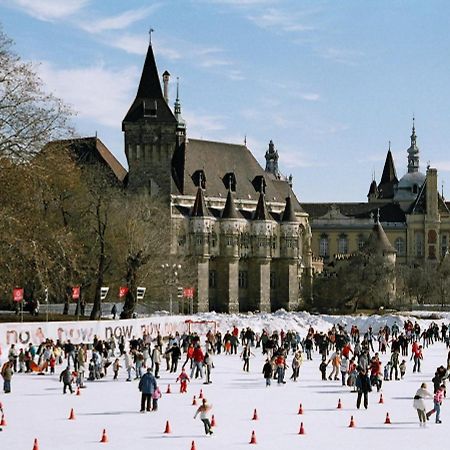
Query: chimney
x=432 y=193
x=165 y=77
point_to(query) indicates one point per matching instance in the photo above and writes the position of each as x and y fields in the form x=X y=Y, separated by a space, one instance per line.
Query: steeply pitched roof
x=419 y=206
x=199 y=209
x=217 y=159
x=378 y=241
x=388 y=178
x=261 y=212
x=150 y=93
x=288 y=213
x=373 y=189
x=91 y=149
x=230 y=211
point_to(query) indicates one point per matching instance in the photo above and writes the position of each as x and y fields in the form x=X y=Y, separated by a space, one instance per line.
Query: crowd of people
x=351 y=357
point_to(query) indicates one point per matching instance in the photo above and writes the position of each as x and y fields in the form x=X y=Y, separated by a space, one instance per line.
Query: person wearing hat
x=419 y=403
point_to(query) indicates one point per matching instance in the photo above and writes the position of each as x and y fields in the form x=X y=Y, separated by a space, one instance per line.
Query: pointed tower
x=373 y=192
x=413 y=152
x=389 y=180
x=200 y=229
x=232 y=226
x=181 y=123
x=287 y=266
x=150 y=133
x=263 y=230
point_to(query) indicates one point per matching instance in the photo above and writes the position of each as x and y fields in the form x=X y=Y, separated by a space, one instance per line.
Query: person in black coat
x=363 y=386
x=175 y=355
x=267 y=372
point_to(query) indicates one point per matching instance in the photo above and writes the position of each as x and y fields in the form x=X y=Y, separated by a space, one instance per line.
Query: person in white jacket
x=419 y=403
x=128 y=364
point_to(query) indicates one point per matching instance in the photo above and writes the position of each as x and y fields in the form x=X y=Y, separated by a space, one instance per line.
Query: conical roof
x=230 y=211
x=373 y=189
x=389 y=172
x=199 y=209
x=378 y=242
x=261 y=212
x=150 y=93
x=288 y=213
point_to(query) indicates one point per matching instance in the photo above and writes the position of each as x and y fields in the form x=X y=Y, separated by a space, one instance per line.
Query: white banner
x=23 y=334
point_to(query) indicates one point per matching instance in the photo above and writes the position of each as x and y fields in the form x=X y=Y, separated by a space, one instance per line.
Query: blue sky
x=331 y=82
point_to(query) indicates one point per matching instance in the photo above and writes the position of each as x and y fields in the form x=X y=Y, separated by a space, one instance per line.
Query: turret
x=289 y=232
x=272 y=161
x=413 y=152
x=200 y=225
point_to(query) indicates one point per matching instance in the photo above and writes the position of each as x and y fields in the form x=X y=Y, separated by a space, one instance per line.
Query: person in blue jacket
x=147 y=386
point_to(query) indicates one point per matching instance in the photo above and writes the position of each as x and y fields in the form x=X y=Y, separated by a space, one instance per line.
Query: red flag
x=76 y=292
x=123 y=291
x=18 y=294
x=188 y=292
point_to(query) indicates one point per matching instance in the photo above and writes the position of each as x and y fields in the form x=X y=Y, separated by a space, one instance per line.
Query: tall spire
x=413 y=151
x=261 y=212
x=272 y=160
x=199 y=209
x=230 y=211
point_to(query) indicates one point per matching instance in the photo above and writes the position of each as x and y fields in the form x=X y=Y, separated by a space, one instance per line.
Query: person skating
x=175 y=355
x=7 y=373
x=323 y=369
x=147 y=386
x=419 y=403
x=363 y=387
x=209 y=365
x=116 y=367
x=66 y=378
x=437 y=400
x=184 y=379
x=267 y=372
x=155 y=397
x=245 y=355
x=204 y=410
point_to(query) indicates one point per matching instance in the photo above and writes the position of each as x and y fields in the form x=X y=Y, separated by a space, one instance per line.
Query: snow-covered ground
x=36 y=408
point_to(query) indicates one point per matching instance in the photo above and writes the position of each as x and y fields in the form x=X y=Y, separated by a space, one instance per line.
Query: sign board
x=18 y=294
x=123 y=291
x=140 y=292
x=103 y=292
x=188 y=292
x=76 y=293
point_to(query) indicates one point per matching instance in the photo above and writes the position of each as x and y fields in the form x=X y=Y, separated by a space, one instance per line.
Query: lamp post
x=171 y=273
x=46 y=303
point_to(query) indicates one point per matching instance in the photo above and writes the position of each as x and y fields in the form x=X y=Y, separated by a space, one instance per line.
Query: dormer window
x=150 y=108
x=415 y=189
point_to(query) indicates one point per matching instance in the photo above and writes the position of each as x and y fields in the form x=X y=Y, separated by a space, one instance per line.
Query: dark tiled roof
x=261 y=212
x=420 y=204
x=91 y=149
x=288 y=213
x=373 y=189
x=378 y=241
x=389 y=212
x=217 y=159
x=230 y=211
x=199 y=209
x=388 y=178
x=150 y=92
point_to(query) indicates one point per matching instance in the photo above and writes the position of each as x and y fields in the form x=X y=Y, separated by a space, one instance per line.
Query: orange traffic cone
x=168 y=389
x=78 y=391
x=71 y=415
x=167 y=430
x=339 y=406
x=193 y=446
x=201 y=394
x=255 y=415
x=300 y=409
x=352 y=423
x=194 y=401
x=388 y=420
x=381 y=399
x=302 y=430
x=253 y=438
x=104 y=438
x=3 y=422
x=213 y=421
x=36 y=445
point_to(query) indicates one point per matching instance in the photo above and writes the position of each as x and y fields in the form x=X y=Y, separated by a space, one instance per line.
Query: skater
x=7 y=373
x=66 y=378
x=267 y=372
x=419 y=403
x=203 y=410
x=184 y=379
x=116 y=367
x=417 y=355
x=175 y=355
x=155 y=397
x=156 y=359
x=402 y=368
x=245 y=355
x=297 y=362
x=335 y=360
x=147 y=386
x=437 y=400
x=209 y=365
x=323 y=369
x=363 y=386
x=114 y=311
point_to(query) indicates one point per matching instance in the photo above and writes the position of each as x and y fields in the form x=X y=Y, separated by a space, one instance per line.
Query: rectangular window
x=273 y=280
x=323 y=247
x=419 y=245
x=243 y=279
x=343 y=244
x=444 y=244
x=150 y=108
x=212 y=279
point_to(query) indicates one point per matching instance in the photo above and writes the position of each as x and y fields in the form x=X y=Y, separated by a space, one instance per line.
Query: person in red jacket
x=183 y=379
x=417 y=355
x=198 y=357
x=376 y=378
x=189 y=355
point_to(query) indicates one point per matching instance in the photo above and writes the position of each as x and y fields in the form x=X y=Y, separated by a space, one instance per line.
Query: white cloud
x=341 y=55
x=50 y=10
x=120 y=21
x=310 y=96
x=443 y=166
x=279 y=19
x=200 y=123
x=96 y=93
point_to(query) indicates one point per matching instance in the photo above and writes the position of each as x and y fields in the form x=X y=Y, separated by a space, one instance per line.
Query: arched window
x=361 y=241
x=343 y=244
x=432 y=236
x=323 y=246
x=400 y=246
